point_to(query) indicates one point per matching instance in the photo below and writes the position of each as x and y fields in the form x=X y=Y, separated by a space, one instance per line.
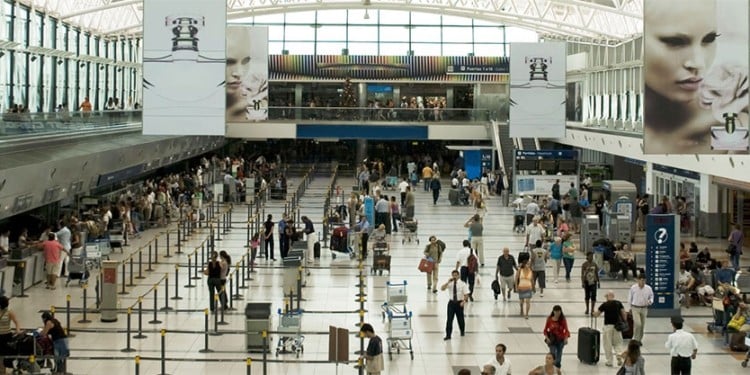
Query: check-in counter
x=29 y=270
x=7 y=273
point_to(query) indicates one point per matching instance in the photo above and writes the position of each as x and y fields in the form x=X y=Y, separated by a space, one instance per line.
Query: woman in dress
x=525 y=287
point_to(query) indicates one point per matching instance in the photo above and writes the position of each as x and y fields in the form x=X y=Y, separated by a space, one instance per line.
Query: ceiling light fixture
x=367 y=15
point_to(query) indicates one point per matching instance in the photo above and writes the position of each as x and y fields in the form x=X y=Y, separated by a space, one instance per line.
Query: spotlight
x=82 y=65
x=33 y=58
x=101 y=67
x=59 y=62
x=367 y=15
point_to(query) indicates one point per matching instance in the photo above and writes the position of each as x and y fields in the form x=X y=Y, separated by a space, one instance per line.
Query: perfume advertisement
x=247 y=74
x=183 y=67
x=696 y=77
x=537 y=90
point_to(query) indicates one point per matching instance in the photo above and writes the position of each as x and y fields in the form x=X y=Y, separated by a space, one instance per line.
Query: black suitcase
x=589 y=339
x=524 y=256
x=453 y=197
x=496 y=288
x=316 y=250
x=627 y=335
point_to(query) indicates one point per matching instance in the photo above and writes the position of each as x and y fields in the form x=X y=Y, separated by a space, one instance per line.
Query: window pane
x=332 y=16
x=275 y=48
x=330 y=48
x=393 y=49
x=394 y=34
x=489 y=50
x=488 y=34
x=453 y=20
x=517 y=34
x=301 y=17
x=363 y=33
x=270 y=18
x=425 y=19
x=462 y=49
x=361 y=48
x=276 y=32
x=393 y=17
x=300 y=48
x=424 y=49
x=425 y=34
x=456 y=34
x=332 y=33
x=300 y=33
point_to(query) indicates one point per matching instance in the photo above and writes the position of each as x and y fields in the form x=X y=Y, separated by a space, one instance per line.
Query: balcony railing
x=24 y=125
x=366 y=114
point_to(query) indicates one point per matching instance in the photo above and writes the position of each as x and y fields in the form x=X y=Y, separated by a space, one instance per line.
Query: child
x=254 y=244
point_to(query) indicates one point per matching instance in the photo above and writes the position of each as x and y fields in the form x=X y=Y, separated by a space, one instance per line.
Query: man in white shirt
x=402 y=189
x=63 y=237
x=534 y=232
x=683 y=348
x=462 y=266
x=641 y=296
x=458 y=295
x=500 y=363
x=5 y=241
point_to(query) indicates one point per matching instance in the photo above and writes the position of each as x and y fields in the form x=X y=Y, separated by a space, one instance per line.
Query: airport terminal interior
x=357 y=99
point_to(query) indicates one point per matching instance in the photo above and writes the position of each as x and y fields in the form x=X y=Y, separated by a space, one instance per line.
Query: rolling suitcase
x=453 y=197
x=316 y=250
x=627 y=335
x=524 y=255
x=589 y=339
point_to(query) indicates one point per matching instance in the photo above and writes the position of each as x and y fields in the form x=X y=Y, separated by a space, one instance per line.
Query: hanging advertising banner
x=696 y=77
x=247 y=74
x=183 y=67
x=537 y=90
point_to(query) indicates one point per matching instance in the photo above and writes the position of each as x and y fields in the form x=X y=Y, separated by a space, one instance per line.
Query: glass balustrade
x=22 y=125
x=370 y=114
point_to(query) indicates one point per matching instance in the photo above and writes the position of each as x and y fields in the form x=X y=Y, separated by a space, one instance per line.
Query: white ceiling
x=596 y=21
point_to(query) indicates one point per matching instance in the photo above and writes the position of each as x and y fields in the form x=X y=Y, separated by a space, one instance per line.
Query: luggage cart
x=410 y=231
x=396 y=298
x=381 y=260
x=78 y=269
x=341 y=242
x=747 y=355
x=291 y=340
x=519 y=221
x=391 y=182
x=718 y=324
x=399 y=333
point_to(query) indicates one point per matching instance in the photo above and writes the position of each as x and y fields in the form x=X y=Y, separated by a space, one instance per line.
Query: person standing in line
x=683 y=347
x=640 y=297
x=462 y=266
x=226 y=264
x=589 y=281
x=213 y=271
x=539 y=257
x=633 y=361
x=501 y=364
x=476 y=228
x=434 y=250
x=52 y=252
x=568 y=255
x=435 y=187
x=613 y=312
x=506 y=267
x=525 y=287
x=363 y=227
x=373 y=356
x=282 y=236
x=458 y=295
x=556 y=333
x=556 y=254
x=268 y=237
x=64 y=236
x=309 y=231
x=735 y=244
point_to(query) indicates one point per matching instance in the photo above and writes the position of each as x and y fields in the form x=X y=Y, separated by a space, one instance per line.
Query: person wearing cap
x=683 y=347
x=55 y=331
x=640 y=297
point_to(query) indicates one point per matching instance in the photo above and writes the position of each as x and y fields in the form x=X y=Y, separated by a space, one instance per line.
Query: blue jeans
x=557 y=349
x=427 y=184
x=735 y=258
x=60 y=347
x=568 y=262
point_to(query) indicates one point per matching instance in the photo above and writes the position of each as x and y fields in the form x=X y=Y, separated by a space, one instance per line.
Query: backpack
x=472 y=263
x=590 y=275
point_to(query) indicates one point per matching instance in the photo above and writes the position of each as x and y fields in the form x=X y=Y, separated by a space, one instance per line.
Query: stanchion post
x=140 y=264
x=149 y=269
x=137 y=365
x=124 y=274
x=189 y=279
x=22 y=266
x=166 y=293
x=176 y=283
x=156 y=308
x=140 y=334
x=156 y=249
x=205 y=333
x=195 y=269
x=249 y=363
x=264 y=335
x=85 y=306
x=237 y=271
x=222 y=322
x=128 y=349
x=167 y=239
x=163 y=352
x=179 y=240
x=131 y=283
x=67 y=316
x=216 y=316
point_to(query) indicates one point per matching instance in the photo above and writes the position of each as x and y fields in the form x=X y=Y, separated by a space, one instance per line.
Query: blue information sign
x=370 y=210
x=662 y=237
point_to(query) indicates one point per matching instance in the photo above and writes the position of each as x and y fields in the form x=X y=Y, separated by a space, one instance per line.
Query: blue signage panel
x=400 y=132
x=380 y=88
x=473 y=163
x=677 y=171
x=662 y=259
x=370 y=210
x=120 y=175
x=547 y=154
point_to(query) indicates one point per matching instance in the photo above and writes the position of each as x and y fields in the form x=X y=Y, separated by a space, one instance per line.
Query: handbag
x=622 y=325
x=426 y=265
x=737 y=322
x=621 y=371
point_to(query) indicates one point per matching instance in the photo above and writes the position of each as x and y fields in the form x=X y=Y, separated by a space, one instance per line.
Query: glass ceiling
x=592 y=21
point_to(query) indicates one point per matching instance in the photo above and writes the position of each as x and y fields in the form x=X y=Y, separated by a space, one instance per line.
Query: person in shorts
x=53 y=251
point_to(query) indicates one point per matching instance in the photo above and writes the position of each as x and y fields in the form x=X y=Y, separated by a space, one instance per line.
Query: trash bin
x=257 y=319
x=291 y=272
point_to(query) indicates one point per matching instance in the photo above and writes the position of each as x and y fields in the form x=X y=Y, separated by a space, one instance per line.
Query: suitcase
x=316 y=250
x=426 y=265
x=589 y=339
x=496 y=288
x=524 y=256
x=453 y=197
x=380 y=263
x=737 y=342
x=627 y=335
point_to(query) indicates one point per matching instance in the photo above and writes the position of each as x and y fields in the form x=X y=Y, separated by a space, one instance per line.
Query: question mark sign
x=661 y=235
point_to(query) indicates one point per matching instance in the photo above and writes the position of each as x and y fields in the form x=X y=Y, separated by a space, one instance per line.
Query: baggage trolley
x=381 y=260
x=291 y=340
x=391 y=182
x=718 y=324
x=340 y=242
x=747 y=355
x=396 y=298
x=78 y=269
x=399 y=333
x=519 y=221
x=410 y=231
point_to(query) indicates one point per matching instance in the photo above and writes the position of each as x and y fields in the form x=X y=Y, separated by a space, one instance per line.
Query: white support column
x=650 y=190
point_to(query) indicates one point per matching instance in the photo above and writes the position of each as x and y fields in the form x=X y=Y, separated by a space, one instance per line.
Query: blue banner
x=370 y=210
x=662 y=259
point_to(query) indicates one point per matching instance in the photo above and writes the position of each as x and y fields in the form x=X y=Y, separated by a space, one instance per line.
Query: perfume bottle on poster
x=732 y=136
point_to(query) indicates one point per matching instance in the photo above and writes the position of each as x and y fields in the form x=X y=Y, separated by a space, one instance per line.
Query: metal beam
x=100 y=8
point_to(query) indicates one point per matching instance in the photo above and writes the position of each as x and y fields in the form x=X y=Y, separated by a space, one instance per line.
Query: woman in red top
x=556 y=333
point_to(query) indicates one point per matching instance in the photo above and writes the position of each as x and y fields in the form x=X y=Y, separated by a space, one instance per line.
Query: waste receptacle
x=257 y=320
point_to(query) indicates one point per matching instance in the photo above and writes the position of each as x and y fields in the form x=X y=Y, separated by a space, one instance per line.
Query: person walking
x=476 y=228
x=435 y=187
x=410 y=203
x=735 y=246
x=589 y=281
x=465 y=265
x=458 y=295
x=556 y=333
x=568 y=255
x=402 y=189
x=539 y=257
x=427 y=177
x=501 y=364
x=525 y=287
x=640 y=297
x=683 y=347
x=556 y=254
x=434 y=250
x=373 y=356
x=613 y=312
x=506 y=267
x=213 y=271
x=633 y=362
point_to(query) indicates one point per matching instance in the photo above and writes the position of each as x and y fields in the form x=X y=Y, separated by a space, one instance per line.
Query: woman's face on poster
x=680 y=46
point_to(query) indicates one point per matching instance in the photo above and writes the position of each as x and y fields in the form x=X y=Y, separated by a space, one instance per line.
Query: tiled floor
x=330 y=300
